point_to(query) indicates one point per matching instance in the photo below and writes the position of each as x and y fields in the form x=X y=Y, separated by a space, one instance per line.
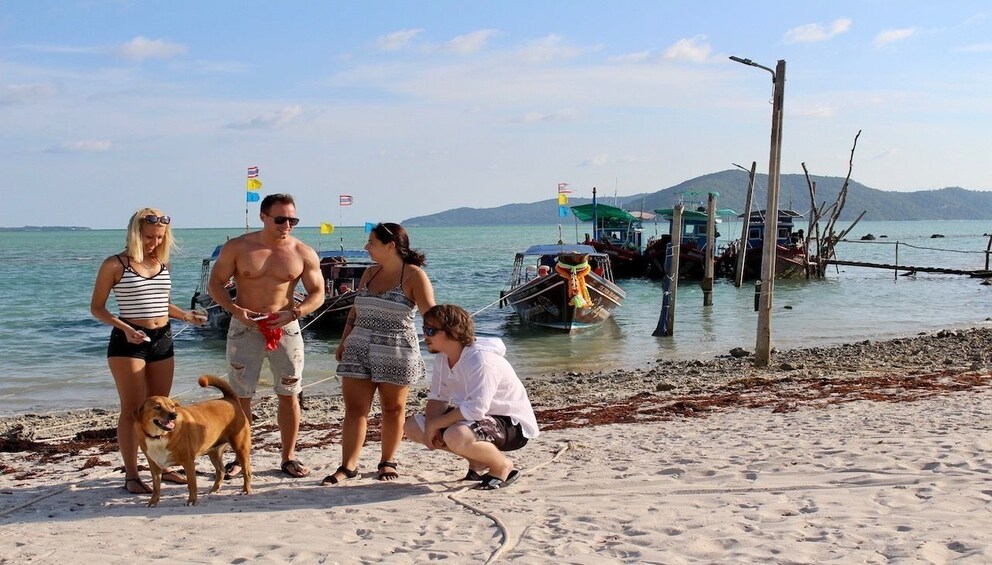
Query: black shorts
x=159 y=348
x=499 y=431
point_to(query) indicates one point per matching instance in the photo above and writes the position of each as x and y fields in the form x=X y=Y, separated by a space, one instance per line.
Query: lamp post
x=762 y=350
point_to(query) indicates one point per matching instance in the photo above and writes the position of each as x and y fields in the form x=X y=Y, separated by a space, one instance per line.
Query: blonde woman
x=140 y=353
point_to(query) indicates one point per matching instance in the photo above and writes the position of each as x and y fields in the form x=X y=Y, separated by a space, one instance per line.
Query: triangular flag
x=326 y=228
x=369 y=226
x=253 y=184
x=252 y=197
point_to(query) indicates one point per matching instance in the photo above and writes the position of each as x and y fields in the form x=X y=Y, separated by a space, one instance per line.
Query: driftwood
x=826 y=241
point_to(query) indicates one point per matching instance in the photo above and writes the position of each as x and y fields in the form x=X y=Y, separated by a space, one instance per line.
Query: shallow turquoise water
x=52 y=352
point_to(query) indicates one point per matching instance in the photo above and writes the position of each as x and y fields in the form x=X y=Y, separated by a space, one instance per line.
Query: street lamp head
x=751 y=63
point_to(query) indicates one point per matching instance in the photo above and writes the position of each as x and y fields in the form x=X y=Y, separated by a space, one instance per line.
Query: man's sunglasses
x=152 y=219
x=283 y=219
x=429 y=331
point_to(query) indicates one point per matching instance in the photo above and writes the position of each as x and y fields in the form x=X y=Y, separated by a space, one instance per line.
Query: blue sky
x=418 y=107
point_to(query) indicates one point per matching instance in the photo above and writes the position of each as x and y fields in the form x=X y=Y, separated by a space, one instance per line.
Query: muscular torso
x=265 y=276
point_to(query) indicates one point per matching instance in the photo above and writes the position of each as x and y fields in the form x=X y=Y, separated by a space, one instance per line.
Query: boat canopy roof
x=557 y=249
x=668 y=213
x=344 y=254
x=782 y=215
x=603 y=212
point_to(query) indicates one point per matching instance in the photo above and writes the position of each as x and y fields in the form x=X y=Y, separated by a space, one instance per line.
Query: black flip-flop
x=233 y=470
x=491 y=482
x=472 y=475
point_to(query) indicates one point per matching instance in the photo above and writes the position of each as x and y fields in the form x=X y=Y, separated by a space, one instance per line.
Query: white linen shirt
x=483 y=383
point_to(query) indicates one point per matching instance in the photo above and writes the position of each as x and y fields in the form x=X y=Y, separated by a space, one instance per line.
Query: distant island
x=951 y=203
x=47 y=228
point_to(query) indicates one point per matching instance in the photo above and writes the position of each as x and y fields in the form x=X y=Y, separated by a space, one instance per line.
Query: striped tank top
x=141 y=298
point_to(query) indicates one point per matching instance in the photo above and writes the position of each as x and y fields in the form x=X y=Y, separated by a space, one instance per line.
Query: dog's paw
x=192 y=502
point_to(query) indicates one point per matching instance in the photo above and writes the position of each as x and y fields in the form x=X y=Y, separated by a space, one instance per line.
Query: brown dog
x=170 y=434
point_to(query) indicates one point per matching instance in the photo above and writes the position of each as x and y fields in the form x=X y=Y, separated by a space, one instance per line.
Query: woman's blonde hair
x=134 y=247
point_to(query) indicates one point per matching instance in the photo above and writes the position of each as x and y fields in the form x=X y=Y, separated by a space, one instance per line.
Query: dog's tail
x=218 y=383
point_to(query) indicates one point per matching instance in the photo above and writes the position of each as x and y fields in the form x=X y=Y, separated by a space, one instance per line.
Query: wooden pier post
x=895 y=272
x=988 y=250
x=707 y=283
x=670 y=284
x=739 y=267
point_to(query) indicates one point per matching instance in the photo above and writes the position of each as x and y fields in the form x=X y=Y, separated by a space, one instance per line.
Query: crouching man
x=477 y=407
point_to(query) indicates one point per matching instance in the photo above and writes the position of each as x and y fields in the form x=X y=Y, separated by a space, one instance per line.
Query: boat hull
x=545 y=302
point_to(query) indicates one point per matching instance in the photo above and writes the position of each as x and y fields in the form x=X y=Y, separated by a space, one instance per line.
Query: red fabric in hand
x=271 y=335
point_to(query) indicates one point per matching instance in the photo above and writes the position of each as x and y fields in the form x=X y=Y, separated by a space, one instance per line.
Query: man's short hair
x=273 y=199
x=454 y=321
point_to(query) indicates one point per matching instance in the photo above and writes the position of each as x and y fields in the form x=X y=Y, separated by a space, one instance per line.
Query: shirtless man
x=266 y=266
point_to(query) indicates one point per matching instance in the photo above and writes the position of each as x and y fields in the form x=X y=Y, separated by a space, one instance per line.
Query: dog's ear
x=139 y=411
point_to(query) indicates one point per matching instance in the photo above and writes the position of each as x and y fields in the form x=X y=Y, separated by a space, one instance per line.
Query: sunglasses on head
x=383 y=226
x=283 y=219
x=153 y=219
x=429 y=331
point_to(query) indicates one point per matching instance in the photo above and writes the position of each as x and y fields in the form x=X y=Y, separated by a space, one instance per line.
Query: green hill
x=944 y=204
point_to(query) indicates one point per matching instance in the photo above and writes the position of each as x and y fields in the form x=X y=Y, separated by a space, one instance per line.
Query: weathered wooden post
x=739 y=268
x=670 y=284
x=988 y=250
x=707 y=283
x=895 y=272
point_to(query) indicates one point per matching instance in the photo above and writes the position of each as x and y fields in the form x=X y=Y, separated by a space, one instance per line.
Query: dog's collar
x=150 y=436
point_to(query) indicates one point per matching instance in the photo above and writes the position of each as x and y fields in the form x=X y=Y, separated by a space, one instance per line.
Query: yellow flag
x=253 y=184
x=326 y=228
x=562 y=199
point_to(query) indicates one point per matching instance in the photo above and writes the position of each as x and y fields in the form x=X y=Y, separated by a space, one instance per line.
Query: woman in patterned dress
x=379 y=349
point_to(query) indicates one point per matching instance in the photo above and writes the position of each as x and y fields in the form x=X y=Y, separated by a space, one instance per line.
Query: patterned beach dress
x=382 y=345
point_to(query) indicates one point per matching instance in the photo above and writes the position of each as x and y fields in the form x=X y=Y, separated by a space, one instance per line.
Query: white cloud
x=817 y=111
x=564 y=115
x=596 y=161
x=552 y=47
x=639 y=57
x=398 y=40
x=695 y=50
x=811 y=33
x=26 y=93
x=893 y=35
x=84 y=146
x=141 y=48
x=470 y=42
x=270 y=121
x=976 y=48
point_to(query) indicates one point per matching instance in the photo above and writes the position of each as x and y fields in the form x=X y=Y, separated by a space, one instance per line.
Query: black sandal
x=348 y=474
x=387 y=475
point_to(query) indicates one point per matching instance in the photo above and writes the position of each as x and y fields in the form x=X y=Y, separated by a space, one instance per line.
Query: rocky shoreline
x=903 y=368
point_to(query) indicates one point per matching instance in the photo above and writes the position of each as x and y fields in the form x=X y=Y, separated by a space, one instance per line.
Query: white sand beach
x=866 y=466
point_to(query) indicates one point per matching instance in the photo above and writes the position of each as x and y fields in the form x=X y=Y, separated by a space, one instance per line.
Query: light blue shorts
x=246 y=351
